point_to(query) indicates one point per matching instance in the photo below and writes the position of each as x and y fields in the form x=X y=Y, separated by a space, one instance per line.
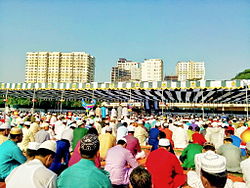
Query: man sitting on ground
x=164 y=167
x=84 y=174
x=10 y=154
x=34 y=173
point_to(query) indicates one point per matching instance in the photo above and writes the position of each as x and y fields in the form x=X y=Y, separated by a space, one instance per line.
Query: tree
x=242 y=75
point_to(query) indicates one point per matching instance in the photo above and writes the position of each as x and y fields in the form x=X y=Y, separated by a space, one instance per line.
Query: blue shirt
x=83 y=174
x=10 y=157
x=104 y=112
x=236 y=140
x=153 y=138
x=62 y=152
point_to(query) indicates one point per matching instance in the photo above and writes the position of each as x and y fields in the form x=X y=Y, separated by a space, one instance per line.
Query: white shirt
x=32 y=174
x=59 y=128
x=68 y=135
x=194 y=181
x=121 y=132
x=245 y=167
x=180 y=138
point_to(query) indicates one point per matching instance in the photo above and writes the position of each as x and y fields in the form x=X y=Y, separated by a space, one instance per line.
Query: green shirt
x=83 y=174
x=10 y=157
x=78 y=133
x=188 y=153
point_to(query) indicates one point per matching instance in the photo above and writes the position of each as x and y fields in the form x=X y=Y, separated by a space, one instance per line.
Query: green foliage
x=243 y=75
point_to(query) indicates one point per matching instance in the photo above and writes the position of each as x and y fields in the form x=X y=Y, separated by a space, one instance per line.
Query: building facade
x=125 y=71
x=171 y=77
x=190 y=70
x=42 y=67
x=152 y=70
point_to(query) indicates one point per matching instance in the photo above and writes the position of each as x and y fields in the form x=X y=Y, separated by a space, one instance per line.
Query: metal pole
x=203 y=105
x=61 y=101
x=162 y=103
x=6 y=105
x=247 y=100
x=33 y=101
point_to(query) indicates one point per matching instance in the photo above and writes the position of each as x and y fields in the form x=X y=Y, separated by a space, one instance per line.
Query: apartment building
x=152 y=70
x=42 y=67
x=190 y=70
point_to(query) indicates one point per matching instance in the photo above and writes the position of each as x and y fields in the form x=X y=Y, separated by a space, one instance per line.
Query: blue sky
x=214 y=31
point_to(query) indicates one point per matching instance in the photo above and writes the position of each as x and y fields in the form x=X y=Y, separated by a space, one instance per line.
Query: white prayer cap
x=27 y=123
x=49 y=145
x=140 y=122
x=109 y=129
x=5 y=126
x=158 y=124
x=131 y=128
x=124 y=139
x=164 y=142
x=79 y=122
x=34 y=145
x=214 y=124
x=91 y=121
x=73 y=125
x=165 y=124
x=213 y=163
x=44 y=125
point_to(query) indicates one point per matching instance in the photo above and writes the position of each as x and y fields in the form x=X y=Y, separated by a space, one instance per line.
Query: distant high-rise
x=125 y=71
x=190 y=70
x=152 y=70
x=50 y=67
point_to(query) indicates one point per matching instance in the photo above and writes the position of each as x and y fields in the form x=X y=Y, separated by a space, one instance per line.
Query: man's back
x=78 y=133
x=165 y=169
x=116 y=164
x=107 y=141
x=41 y=136
x=133 y=144
x=32 y=174
x=232 y=155
x=83 y=174
x=10 y=157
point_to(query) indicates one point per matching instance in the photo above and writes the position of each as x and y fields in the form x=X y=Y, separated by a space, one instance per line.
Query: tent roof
x=210 y=91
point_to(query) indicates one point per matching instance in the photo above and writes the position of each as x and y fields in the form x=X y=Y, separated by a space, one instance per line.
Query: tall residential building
x=125 y=71
x=51 y=67
x=190 y=70
x=152 y=70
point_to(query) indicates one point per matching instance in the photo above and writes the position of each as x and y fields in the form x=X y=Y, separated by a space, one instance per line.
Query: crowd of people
x=102 y=149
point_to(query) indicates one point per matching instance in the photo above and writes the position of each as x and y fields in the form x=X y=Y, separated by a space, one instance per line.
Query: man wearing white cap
x=116 y=164
x=10 y=154
x=140 y=133
x=245 y=166
x=35 y=173
x=153 y=136
x=180 y=137
x=164 y=167
x=42 y=135
x=215 y=135
x=28 y=136
x=213 y=173
x=107 y=141
x=133 y=144
x=31 y=150
x=4 y=132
